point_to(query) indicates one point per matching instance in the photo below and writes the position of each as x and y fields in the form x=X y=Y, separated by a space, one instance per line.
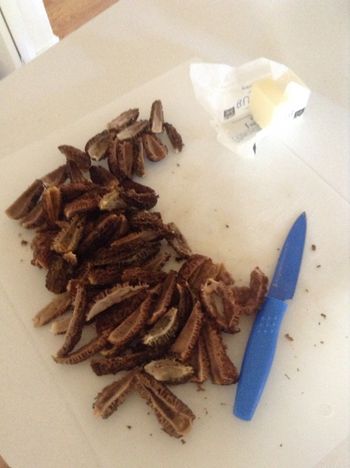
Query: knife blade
x=262 y=342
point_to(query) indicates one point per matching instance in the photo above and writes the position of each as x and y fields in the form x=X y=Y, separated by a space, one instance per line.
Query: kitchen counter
x=135 y=41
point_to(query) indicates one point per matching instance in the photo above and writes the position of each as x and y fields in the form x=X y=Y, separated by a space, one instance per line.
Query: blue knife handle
x=258 y=357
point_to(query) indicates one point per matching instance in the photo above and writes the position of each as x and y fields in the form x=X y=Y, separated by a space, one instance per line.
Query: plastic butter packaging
x=248 y=102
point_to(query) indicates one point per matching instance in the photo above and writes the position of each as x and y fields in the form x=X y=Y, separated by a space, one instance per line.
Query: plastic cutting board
x=237 y=211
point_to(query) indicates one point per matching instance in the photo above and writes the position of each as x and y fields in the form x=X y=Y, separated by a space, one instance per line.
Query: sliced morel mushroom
x=60 y=326
x=57 y=307
x=75 y=173
x=147 y=220
x=123 y=120
x=101 y=233
x=222 y=370
x=105 y=275
x=169 y=371
x=85 y=352
x=112 y=156
x=111 y=201
x=165 y=297
x=112 y=296
x=185 y=303
x=97 y=146
x=67 y=240
x=135 y=275
x=137 y=195
x=131 y=326
x=253 y=297
x=157 y=117
x=173 y=415
x=164 y=329
x=80 y=158
x=26 y=202
x=76 y=324
x=115 y=315
x=58 y=274
x=72 y=190
x=133 y=130
x=138 y=255
x=154 y=148
x=101 y=176
x=52 y=203
x=83 y=204
x=112 y=396
x=103 y=365
x=174 y=137
x=207 y=270
x=135 y=240
x=200 y=361
x=126 y=157
x=36 y=218
x=191 y=266
x=139 y=158
x=41 y=246
x=187 y=339
x=219 y=302
x=177 y=241
x=55 y=177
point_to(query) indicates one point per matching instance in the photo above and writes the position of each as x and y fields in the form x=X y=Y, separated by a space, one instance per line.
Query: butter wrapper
x=243 y=102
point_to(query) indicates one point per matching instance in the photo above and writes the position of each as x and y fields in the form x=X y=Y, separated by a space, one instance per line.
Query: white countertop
x=136 y=40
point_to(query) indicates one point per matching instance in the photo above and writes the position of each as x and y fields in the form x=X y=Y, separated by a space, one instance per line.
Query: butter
x=274 y=101
x=247 y=103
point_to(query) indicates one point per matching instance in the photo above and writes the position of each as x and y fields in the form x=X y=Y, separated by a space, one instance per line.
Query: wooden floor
x=68 y=15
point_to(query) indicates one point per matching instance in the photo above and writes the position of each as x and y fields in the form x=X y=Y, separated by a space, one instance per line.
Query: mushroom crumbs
x=105 y=252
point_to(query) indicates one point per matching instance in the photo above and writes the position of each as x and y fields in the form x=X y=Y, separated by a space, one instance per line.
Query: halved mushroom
x=26 y=201
x=113 y=395
x=187 y=339
x=163 y=330
x=173 y=415
x=68 y=238
x=80 y=158
x=112 y=296
x=97 y=146
x=52 y=203
x=169 y=371
x=157 y=117
x=163 y=302
x=219 y=302
x=155 y=149
x=178 y=242
x=131 y=326
x=174 y=136
x=55 y=177
x=222 y=369
x=76 y=324
x=133 y=130
x=123 y=120
x=57 y=307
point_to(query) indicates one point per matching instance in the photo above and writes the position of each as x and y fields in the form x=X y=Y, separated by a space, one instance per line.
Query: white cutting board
x=45 y=408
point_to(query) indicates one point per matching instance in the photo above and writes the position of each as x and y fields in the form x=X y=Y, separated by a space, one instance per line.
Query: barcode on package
x=228 y=113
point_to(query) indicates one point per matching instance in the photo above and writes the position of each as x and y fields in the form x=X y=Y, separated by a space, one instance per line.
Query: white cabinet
x=9 y=56
x=25 y=32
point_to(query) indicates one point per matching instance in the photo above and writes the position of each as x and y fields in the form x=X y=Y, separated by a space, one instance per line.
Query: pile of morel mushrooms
x=105 y=250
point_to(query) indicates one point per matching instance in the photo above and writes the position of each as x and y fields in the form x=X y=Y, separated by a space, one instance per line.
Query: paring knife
x=262 y=341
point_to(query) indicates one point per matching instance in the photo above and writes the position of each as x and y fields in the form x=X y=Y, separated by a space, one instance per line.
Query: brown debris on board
x=288 y=337
x=105 y=254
